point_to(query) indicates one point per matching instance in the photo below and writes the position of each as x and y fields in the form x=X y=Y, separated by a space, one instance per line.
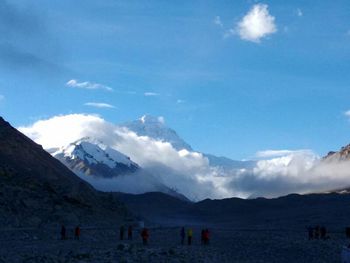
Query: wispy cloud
x=2 y=97
x=99 y=105
x=255 y=25
x=299 y=12
x=179 y=101
x=73 y=83
x=149 y=94
x=347 y=113
x=217 y=21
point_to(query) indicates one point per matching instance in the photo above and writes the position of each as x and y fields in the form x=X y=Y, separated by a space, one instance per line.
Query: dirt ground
x=226 y=245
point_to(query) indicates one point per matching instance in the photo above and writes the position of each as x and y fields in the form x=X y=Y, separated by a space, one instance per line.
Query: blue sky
x=286 y=87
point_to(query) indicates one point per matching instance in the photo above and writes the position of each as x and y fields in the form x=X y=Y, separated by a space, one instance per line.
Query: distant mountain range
x=36 y=190
x=91 y=157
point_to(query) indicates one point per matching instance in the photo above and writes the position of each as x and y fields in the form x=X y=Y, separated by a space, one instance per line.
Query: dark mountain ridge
x=37 y=189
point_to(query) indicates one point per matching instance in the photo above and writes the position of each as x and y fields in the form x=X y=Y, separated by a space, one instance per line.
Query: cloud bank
x=189 y=172
x=256 y=24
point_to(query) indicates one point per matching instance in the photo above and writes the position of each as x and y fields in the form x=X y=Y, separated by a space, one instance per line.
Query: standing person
x=145 y=236
x=121 y=232
x=202 y=236
x=310 y=231
x=182 y=235
x=189 y=236
x=130 y=232
x=77 y=233
x=323 y=232
x=317 y=232
x=206 y=236
x=63 y=232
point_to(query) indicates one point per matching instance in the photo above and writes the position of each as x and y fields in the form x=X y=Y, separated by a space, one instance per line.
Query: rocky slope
x=36 y=189
x=342 y=155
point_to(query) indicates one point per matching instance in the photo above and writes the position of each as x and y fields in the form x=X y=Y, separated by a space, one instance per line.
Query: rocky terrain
x=36 y=189
x=227 y=245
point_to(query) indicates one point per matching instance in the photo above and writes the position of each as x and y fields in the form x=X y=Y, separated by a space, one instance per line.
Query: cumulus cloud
x=99 y=105
x=189 y=172
x=149 y=94
x=217 y=21
x=73 y=83
x=256 y=24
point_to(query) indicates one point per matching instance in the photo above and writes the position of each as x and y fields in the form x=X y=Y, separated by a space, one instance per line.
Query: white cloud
x=256 y=24
x=347 y=113
x=99 y=105
x=189 y=172
x=73 y=83
x=217 y=21
x=299 y=12
x=179 y=101
x=149 y=94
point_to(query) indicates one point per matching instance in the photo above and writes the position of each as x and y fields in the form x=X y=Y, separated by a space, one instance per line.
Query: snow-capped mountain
x=91 y=157
x=154 y=127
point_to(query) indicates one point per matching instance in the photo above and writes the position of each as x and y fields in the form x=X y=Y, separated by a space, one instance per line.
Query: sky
x=233 y=78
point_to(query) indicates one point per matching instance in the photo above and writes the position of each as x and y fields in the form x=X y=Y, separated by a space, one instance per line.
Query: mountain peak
x=155 y=128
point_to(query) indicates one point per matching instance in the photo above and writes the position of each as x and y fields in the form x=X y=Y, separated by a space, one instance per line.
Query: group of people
x=122 y=232
x=317 y=232
x=64 y=233
x=204 y=236
x=144 y=234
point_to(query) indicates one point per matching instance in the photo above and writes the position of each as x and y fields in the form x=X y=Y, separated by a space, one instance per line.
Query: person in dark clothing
x=77 y=233
x=63 y=233
x=121 y=232
x=145 y=236
x=347 y=232
x=310 y=231
x=130 y=233
x=182 y=235
x=202 y=237
x=317 y=232
x=323 y=232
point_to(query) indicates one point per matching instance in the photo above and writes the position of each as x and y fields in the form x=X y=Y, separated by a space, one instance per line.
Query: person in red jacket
x=130 y=233
x=77 y=233
x=206 y=236
x=145 y=236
